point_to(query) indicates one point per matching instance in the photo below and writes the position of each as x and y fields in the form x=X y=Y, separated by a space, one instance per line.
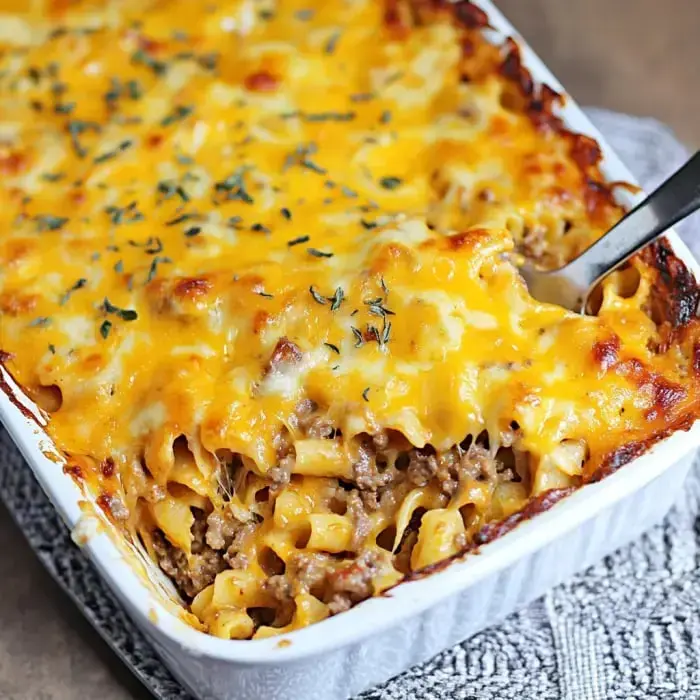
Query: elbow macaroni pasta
x=258 y=263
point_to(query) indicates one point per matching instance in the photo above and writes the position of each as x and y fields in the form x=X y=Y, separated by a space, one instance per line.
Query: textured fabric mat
x=627 y=628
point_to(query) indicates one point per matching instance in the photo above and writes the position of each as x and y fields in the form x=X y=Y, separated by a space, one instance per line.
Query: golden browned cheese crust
x=258 y=262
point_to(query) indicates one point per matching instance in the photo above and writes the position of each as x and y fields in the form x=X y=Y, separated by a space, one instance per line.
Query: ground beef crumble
x=422 y=467
x=220 y=529
x=313 y=423
x=369 y=473
x=190 y=576
x=452 y=467
x=216 y=543
x=361 y=524
x=309 y=570
x=339 y=584
x=234 y=557
x=281 y=473
x=353 y=582
x=281 y=590
x=219 y=539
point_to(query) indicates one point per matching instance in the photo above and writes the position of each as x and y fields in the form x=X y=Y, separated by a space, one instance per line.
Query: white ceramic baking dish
x=379 y=638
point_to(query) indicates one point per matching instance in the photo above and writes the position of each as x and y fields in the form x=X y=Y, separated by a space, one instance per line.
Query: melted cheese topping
x=245 y=240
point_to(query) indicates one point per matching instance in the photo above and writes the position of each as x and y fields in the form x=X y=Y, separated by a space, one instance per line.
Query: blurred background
x=636 y=56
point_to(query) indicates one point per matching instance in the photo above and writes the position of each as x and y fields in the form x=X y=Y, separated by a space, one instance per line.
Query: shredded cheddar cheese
x=258 y=261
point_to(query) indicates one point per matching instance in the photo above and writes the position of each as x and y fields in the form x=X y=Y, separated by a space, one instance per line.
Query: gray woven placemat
x=627 y=628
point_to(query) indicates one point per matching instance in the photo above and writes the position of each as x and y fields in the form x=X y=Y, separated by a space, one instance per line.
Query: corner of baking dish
x=118 y=567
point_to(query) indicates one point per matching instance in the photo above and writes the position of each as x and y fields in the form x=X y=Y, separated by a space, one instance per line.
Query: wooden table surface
x=639 y=56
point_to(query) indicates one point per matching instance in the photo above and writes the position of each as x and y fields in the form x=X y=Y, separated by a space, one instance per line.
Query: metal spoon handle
x=675 y=199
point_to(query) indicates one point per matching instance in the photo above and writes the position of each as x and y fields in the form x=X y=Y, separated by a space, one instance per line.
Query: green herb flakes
x=318 y=253
x=179 y=113
x=362 y=97
x=124 y=314
x=318 y=298
x=134 y=89
x=337 y=299
x=234 y=187
x=52 y=177
x=112 y=154
x=391 y=183
x=78 y=285
x=332 y=43
x=49 y=222
x=359 y=338
x=301 y=156
x=180 y=219
x=376 y=308
x=77 y=127
x=170 y=189
x=153 y=270
x=386 y=332
x=184 y=160
x=145 y=59
x=64 y=107
x=105 y=329
x=153 y=245
x=330 y=116
x=124 y=215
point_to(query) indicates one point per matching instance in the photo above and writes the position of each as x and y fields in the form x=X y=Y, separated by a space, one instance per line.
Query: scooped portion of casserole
x=258 y=262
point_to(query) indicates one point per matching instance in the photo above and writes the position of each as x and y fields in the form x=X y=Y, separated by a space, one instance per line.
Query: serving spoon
x=570 y=286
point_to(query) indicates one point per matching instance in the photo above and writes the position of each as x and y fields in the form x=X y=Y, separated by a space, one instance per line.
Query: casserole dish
x=284 y=667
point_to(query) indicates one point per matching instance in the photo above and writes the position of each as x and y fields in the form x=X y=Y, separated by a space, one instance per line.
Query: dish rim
x=409 y=598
